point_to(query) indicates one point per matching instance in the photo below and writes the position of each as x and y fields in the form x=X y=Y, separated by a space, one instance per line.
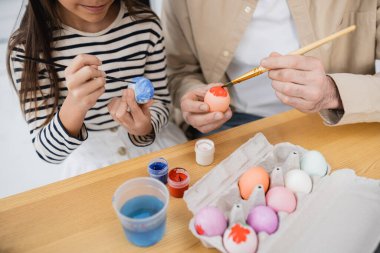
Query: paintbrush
x=23 y=57
x=260 y=70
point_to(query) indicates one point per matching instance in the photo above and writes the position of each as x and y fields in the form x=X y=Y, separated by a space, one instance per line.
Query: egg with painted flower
x=217 y=99
x=240 y=238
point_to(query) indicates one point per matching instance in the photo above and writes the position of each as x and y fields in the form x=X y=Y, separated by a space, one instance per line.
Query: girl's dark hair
x=35 y=34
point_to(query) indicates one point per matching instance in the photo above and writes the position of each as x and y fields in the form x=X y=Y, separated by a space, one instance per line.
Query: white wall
x=20 y=167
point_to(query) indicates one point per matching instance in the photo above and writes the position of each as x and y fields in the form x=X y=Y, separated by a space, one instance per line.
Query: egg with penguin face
x=218 y=99
x=210 y=221
x=240 y=238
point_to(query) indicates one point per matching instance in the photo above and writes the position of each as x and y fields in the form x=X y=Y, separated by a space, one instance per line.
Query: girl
x=78 y=114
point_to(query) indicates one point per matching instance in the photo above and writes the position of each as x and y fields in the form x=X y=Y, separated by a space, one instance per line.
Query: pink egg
x=240 y=238
x=217 y=99
x=263 y=219
x=210 y=221
x=281 y=199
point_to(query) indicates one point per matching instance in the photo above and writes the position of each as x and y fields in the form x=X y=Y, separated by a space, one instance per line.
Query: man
x=215 y=41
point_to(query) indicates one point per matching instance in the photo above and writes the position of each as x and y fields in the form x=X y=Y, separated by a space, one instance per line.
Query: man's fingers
x=192 y=106
x=199 y=120
x=290 y=89
x=81 y=61
x=296 y=76
x=291 y=62
x=274 y=54
x=208 y=128
x=298 y=103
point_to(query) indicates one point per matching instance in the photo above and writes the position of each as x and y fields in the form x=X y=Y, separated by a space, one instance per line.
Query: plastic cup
x=141 y=206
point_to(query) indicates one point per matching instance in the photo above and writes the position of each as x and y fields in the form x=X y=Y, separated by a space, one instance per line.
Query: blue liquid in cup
x=139 y=208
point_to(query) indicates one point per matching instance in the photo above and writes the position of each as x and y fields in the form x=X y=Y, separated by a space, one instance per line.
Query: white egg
x=240 y=238
x=298 y=181
x=314 y=164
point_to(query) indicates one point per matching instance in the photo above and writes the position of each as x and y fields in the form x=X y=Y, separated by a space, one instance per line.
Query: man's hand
x=196 y=112
x=301 y=82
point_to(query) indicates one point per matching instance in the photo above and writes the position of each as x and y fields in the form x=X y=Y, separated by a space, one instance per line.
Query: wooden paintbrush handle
x=320 y=42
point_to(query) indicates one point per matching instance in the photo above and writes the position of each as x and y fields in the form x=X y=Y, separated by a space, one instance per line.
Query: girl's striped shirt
x=127 y=48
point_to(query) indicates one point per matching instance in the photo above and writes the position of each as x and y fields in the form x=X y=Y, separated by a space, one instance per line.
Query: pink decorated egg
x=217 y=99
x=240 y=238
x=210 y=221
x=281 y=199
x=263 y=219
x=251 y=178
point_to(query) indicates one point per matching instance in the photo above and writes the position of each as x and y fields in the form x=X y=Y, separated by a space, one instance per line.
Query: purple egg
x=210 y=221
x=263 y=219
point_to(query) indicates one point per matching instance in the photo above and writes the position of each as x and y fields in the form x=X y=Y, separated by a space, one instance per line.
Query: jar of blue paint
x=158 y=169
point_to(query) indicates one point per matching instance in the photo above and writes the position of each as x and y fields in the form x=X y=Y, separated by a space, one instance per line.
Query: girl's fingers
x=89 y=87
x=90 y=99
x=112 y=107
x=81 y=61
x=135 y=109
x=145 y=108
x=83 y=75
x=122 y=113
x=122 y=109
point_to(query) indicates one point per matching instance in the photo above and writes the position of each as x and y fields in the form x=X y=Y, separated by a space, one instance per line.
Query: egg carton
x=341 y=214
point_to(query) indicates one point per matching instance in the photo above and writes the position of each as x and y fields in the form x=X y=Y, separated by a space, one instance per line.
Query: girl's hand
x=85 y=82
x=301 y=82
x=136 y=119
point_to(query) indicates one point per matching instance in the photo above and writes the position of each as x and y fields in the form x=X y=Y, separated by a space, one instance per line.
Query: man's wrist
x=333 y=96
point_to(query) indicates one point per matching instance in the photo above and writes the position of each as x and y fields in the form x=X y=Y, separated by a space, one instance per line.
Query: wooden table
x=76 y=215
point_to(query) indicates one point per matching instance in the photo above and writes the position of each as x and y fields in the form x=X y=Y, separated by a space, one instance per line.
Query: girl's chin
x=101 y=9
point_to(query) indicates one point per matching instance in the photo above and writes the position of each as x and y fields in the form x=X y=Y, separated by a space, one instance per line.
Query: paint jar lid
x=158 y=167
x=178 y=178
x=204 y=152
